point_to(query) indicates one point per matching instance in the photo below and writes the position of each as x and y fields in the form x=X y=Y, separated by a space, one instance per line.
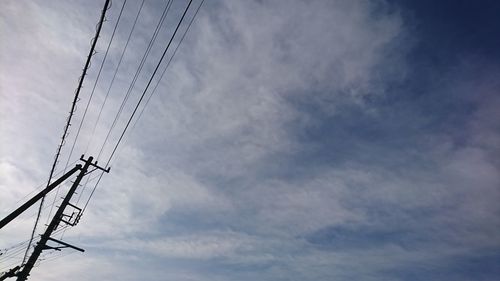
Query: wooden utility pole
x=37 y=197
x=42 y=244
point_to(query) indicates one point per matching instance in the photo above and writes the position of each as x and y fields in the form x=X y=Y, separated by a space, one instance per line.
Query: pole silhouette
x=45 y=237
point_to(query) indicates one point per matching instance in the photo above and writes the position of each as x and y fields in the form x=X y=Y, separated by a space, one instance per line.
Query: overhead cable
x=114 y=76
x=136 y=75
x=141 y=98
x=168 y=64
x=88 y=102
x=68 y=123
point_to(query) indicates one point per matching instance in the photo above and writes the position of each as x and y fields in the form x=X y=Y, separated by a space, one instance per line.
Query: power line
x=37 y=188
x=8 y=265
x=141 y=98
x=55 y=257
x=96 y=81
x=5 y=250
x=141 y=64
x=168 y=64
x=136 y=75
x=17 y=249
x=114 y=76
x=134 y=79
x=14 y=252
x=150 y=80
x=91 y=179
x=109 y=88
x=90 y=99
x=68 y=123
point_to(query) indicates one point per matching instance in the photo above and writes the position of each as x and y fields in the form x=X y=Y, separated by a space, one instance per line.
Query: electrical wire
x=9 y=266
x=6 y=250
x=136 y=75
x=68 y=123
x=149 y=82
x=139 y=102
x=168 y=64
x=141 y=64
x=63 y=229
x=109 y=89
x=37 y=188
x=13 y=253
x=166 y=68
x=61 y=255
x=114 y=76
x=17 y=249
x=90 y=97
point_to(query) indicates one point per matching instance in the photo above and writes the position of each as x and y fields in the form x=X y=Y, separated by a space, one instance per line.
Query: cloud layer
x=288 y=140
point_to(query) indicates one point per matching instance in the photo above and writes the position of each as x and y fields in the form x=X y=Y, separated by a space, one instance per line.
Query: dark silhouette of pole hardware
x=59 y=216
x=45 y=237
x=38 y=196
x=64 y=245
x=74 y=218
x=10 y=273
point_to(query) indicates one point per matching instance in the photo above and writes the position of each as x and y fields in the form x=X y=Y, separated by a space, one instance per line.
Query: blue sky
x=288 y=140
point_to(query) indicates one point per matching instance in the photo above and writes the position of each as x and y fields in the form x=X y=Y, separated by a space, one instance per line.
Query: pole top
x=89 y=160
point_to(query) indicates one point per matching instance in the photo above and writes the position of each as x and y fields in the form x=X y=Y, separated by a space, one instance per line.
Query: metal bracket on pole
x=72 y=219
x=95 y=166
x=38 y=196
x=11 y=273
x=28 y=266
x=65 y=245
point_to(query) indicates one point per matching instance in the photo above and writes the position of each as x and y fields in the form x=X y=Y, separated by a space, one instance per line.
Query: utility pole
x=10 y=273
x=42 y=244
x=37 y=197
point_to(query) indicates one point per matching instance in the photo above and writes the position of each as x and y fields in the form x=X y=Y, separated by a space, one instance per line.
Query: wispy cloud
x=286 y=141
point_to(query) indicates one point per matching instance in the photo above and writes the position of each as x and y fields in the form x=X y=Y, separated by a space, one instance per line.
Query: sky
x=287 y=140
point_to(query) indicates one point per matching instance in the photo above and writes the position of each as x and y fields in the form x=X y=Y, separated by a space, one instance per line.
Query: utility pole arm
x=42 y=244
x=95 y=165
x=37 y=197
x=10 y=273
x=66 y=244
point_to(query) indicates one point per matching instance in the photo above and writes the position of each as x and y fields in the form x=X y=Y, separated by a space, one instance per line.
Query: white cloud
x=226 y=110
